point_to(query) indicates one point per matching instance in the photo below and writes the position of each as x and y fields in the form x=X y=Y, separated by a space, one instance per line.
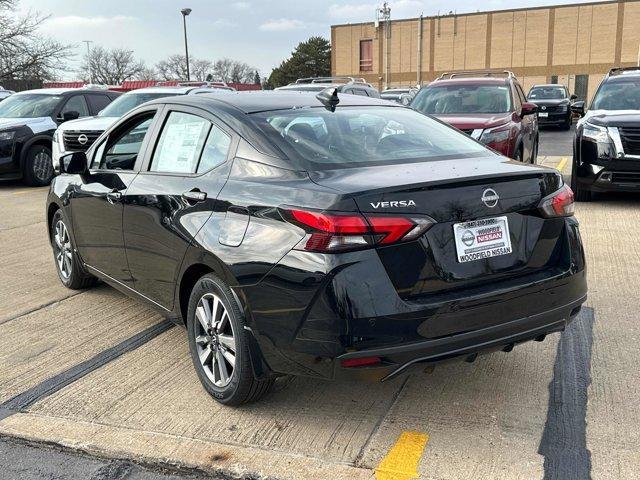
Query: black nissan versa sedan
x=322 y=235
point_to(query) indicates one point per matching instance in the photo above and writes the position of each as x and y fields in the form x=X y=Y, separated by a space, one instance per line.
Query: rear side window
x=76 y=103
x=215 y=151
x=98 y=102
x=189 y=144
x=180 y=143
x=360 y=136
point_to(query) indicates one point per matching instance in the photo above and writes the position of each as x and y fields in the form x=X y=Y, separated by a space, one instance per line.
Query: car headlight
x=4 y=136
x=495 y=135
x=55 y=136
x=596 y=133
x=562 y=109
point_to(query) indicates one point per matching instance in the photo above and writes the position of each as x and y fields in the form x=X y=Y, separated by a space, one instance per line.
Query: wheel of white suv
x=69 y=267
x=219 y=346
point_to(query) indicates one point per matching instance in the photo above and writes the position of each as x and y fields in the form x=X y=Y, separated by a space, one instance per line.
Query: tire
x=37 y=169
x=567 y=124
x=69 y=267
x=580 y=194
x=534 y=153
x=518 y=155
x=219 y=345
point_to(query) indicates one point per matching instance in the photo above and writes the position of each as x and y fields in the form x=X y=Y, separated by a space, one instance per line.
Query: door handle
x=114 y=196
x=194 y=196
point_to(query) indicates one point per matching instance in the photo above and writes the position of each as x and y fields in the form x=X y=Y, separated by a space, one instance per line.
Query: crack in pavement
x=564 y=439
x=58 y=382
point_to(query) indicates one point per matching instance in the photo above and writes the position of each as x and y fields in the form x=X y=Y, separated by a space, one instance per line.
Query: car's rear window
x=463 y=99
x=369 y=135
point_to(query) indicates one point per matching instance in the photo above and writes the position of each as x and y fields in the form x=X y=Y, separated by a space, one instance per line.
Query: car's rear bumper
x=504 y=336
x=307 y=321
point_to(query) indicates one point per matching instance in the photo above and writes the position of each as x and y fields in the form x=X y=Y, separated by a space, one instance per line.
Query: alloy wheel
x=42 y=165
x=215 y=340
x=62 y=247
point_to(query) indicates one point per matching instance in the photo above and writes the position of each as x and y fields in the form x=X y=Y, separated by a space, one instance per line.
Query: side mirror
x=528 y=109
x=70 y=115
x=573 y=97
x=578 y=107
x=74 y=163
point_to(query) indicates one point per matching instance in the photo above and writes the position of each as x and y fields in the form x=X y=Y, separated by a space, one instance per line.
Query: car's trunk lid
x=452 y=192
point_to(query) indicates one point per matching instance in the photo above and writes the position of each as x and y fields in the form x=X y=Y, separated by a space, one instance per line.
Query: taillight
x=558 y=204
x=339 y=232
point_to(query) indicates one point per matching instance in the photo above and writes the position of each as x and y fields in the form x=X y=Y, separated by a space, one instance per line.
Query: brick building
x=570 y=44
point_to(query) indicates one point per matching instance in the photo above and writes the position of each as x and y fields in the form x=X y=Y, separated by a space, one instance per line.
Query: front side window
x=618 y=95
x=29 y=105
x=463 y=99
x=121 y=149
x=361 y=136
x=547 y=93
x=180 y=143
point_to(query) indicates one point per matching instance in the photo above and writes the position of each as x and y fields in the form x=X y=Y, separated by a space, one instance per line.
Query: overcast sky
x=259 y=32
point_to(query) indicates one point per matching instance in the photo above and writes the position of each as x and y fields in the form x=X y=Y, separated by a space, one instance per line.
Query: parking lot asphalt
x=101 y=373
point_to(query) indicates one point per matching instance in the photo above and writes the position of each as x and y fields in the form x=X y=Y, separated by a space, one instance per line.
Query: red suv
x=489 y=106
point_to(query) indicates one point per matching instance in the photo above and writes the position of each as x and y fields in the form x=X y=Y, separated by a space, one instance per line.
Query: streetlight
x=89 y=42
x=185 y=12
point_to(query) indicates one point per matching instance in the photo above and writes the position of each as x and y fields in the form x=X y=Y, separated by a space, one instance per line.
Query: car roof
x=261 y=101
x=469 y=81
x=63 y=91
x=177 y=90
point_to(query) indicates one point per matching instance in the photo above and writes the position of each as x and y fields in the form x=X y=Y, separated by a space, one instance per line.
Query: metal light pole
x=89 y=59
x=185 y=12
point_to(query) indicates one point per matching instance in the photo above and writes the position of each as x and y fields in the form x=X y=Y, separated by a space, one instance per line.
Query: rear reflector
x=558 y=204
x=360 y=362
x=338 y=232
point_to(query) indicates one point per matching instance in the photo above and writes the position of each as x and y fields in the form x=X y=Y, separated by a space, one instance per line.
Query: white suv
x=78 y=135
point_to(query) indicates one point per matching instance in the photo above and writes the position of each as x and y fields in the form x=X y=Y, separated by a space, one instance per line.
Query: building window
x=582 y=87
x=366 y=55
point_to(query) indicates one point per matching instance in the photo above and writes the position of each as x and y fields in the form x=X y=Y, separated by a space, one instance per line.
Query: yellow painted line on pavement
x=562 y=164
x=401 y=463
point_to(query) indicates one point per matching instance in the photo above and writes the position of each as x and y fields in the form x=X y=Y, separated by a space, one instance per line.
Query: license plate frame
x=543 y=114
x=482 y=239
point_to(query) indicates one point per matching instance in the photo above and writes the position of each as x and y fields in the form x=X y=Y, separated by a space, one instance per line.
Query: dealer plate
x=480 y=239
x=543 y=114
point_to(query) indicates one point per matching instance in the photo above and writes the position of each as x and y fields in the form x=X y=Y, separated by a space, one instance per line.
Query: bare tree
x=233 y=71
x=173 y=67
x=110 y=67
x=23 y=52
x=147 y=73
x=200 y=69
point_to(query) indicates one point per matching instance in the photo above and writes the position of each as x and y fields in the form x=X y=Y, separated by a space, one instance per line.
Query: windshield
x=461 y=99
x=547 y=93
x=618 y=95
x=29 y=105
x=363 y=136
x=126 y=102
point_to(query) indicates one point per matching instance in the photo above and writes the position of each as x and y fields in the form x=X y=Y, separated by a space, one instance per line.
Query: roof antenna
x=329 y=98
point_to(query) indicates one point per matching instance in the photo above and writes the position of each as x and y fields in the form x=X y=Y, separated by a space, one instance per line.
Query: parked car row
x=38 y=126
